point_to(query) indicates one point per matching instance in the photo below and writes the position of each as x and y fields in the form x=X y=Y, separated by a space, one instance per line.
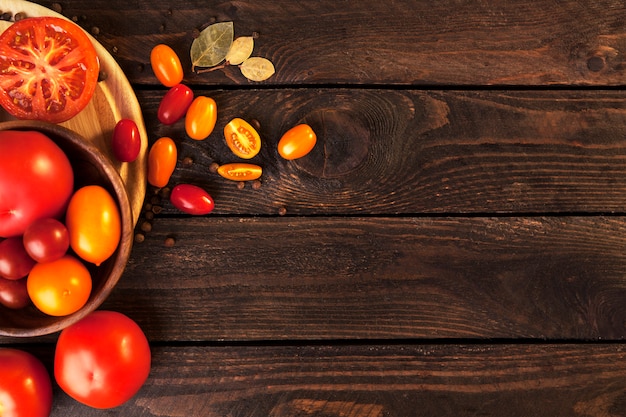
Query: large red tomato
x=102 y=360
x=25 y=386
x=36 y=180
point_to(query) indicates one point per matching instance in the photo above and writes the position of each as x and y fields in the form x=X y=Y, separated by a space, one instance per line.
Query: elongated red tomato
x=242 y=139
x=201 y=118
x=297 y=142
x=126 y=141
x=191 y=199
x=240 y=171
x=162 y=161
x=174 y=104
x=166 y=65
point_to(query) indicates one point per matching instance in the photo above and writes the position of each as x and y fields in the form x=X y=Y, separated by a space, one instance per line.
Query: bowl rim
x=123 y=250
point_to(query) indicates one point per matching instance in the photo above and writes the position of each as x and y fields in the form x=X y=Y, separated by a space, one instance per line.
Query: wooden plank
x=376 y=381
x=408 y=151
x=371 y=42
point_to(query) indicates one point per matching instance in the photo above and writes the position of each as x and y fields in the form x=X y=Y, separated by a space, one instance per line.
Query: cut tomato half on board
x=48 y=69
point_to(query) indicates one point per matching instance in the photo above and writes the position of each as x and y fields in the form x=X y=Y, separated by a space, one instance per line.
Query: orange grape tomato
x=297 y=142
x=60 y=287
x=161 y=161
x=166 y=65
x=94 y=223
x=201 y=117
x=242 y=139
x=239 y=171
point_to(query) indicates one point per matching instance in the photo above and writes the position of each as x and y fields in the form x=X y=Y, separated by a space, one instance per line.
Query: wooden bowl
x=90 y=167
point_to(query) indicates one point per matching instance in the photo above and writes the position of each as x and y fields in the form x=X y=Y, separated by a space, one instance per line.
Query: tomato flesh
x=242 y=139
x=48 y=69
x=238 y=171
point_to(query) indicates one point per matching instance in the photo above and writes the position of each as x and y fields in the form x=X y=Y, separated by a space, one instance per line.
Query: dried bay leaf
x=257 y=69
x=240 y=50
x=212 y=45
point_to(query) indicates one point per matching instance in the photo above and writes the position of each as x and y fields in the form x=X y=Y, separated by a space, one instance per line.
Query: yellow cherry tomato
x=239 y=171
x=59 y=287
x=166 y=65
x=94 y=224
x=297 y=142
x=242 y=139
x=201 y=117
x=161 y=161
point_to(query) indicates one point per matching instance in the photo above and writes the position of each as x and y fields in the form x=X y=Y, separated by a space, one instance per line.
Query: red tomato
x=242 y=139
x=25 y=386
x=166 y=65
x=238 y=171
x=174 y=104
x=46 y=240
x=13 y=293
x=201 y=118
x=49 y=69
x=60 y=287
x=102 y=360
x=15 y=263
x=191 y=199
x=161 y=161
x=36 y=180
x=126 y=141
x=297 y=142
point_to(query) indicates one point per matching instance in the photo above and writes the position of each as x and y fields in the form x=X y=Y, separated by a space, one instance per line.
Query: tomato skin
x=239 y=171
x=25 y=386
x=36 y=180
x=46 y=240
x=297 y=142
x=102 y=360
x=166 y=65
x=60 y=287
x=15 y=263
x=201 y=118
x=174 y=104
x=13 y=293
x=94 y=224
x=126 y=141
x=191 y=199
x=37 y=83
x=242 y=139
x=162 y=161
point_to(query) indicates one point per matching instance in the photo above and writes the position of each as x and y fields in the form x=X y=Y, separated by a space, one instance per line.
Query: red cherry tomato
x=102 y=360
x=297 y=142
x=49 y=69
x=46 y=240
x=25 y=386
x=166 y=65
x=36 y=180
x=126 y=141
x=201 y=118
x=242 y=139
x=191 y=199
x=161 y=161
x=174 y=104
x=13 y=293
x=15 y=263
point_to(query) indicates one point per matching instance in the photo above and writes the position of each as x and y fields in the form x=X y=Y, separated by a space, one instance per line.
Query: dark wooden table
x=454 y=245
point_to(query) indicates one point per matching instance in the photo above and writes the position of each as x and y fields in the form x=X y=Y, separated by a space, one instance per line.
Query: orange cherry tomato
x=94 y=223
x=242 y=139
x=239 y=171
x=161 y=161
x=201 y=117
x=60 y=287
x=297 y=142
x=166 y=65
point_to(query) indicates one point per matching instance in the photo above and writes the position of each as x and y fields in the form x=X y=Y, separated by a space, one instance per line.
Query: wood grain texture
x=407 y=42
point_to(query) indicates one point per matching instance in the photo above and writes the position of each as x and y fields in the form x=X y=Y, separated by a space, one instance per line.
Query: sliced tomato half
x=48 y=69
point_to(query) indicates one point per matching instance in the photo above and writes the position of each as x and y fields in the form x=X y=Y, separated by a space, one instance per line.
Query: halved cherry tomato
x=201 y=118
x=94 y=224
x=49 y=69
x=166 y=65
x=60 y=287
x=297 y=142
x=161 y=161
x=174 y=104
x=126 y=141
x=239 y=171
x=191 y=199
x=242 y=139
